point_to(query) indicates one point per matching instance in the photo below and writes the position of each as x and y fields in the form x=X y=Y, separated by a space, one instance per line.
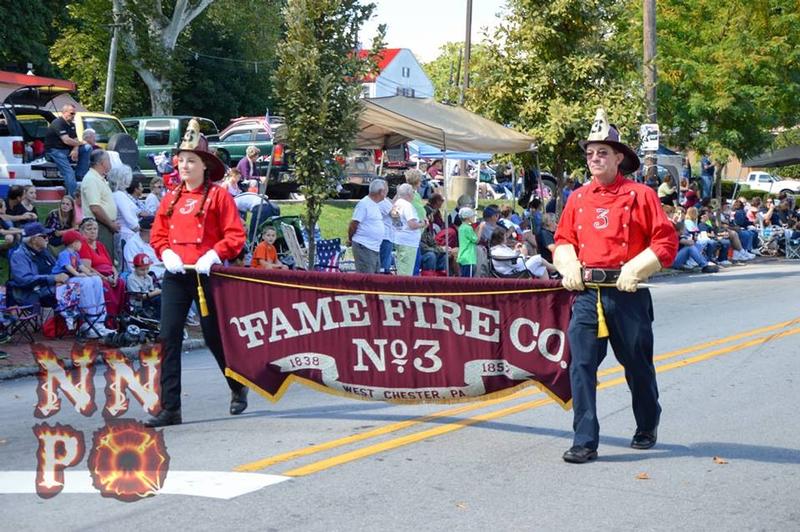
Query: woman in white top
x=407 y=227
x=128 y=210
x=153 y=199
x=507 y=260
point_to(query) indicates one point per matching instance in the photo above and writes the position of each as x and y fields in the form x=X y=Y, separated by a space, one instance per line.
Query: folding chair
x=329 y=253
x=19 y=321
x=509 y=262
x=792 y=244
x=298 y=254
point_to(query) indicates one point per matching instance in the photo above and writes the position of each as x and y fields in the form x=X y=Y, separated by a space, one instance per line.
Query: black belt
x=600 y=275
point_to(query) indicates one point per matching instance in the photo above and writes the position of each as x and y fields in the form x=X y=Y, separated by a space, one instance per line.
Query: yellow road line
x=401 y=425
x=445 y=429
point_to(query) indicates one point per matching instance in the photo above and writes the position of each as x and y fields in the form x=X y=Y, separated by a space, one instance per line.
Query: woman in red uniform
x=196 y=224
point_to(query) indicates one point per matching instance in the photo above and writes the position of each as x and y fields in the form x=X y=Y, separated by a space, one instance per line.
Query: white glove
x=566 y=262
x=637 y=270
x=204 y=263
x=172 y=262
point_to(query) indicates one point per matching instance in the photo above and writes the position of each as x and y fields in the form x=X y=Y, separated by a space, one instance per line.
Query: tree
x=446 y=71
x=149 y=36
x=81 y=55
x=318 y=83
x=729 y=74
x=28 y=30
x=549 y=65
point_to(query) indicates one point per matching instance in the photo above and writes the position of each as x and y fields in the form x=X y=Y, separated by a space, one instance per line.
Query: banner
x=389 y=338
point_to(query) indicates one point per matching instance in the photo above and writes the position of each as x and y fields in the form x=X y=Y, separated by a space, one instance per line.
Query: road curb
x=131 y=353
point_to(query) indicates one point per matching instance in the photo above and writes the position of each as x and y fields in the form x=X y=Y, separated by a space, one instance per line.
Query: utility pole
x=467 y=47
x=650 y=75
x=112 y=63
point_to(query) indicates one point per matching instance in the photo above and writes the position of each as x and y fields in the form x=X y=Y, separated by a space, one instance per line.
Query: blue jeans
x=717 y=250
x=386 y=256
x=687 y=252
x=467 y=270
x=434 y=261
x=748 y=238
x=64 y=165
x=83 y=160
x=706 y=185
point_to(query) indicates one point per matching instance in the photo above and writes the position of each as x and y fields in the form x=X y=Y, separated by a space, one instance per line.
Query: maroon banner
x=388 y=338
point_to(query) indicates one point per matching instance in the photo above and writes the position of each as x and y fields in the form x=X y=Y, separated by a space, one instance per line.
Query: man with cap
x=31 y=264
x=613 y=234
x=197 y=225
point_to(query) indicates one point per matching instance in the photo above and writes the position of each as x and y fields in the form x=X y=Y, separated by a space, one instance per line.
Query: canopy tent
x=784 y=157
x=387 y=122
x=425 y=151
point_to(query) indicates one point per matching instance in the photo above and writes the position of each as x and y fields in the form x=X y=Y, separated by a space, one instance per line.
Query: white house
x=399 y=72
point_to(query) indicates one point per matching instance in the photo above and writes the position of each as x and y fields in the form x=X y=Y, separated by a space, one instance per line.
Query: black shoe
x=711 y=268
x=165 y=418
x=239 y=401
x=644 y=439
x=579 y=455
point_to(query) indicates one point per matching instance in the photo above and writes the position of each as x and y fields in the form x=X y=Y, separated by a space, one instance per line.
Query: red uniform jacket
x=609 y=225
x=190 y=237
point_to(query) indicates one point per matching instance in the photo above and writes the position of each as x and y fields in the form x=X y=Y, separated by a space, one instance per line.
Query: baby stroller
x=773 y=240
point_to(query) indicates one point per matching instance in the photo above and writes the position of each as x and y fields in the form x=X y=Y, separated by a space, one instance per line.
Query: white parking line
x=212 y=484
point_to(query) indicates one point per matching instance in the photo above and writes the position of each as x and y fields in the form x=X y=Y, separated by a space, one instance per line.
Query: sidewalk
x=20 y=362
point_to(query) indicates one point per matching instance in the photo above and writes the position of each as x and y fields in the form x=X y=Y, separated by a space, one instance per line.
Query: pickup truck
x=232 y=142
x=25 y=115
x=771 y=184
x=156 y=134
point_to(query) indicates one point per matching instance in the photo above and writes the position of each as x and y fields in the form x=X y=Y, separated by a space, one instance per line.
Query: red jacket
x=609 y=225
x=190 y=237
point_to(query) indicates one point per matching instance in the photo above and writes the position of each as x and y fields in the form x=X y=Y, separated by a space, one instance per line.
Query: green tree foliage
x=231 y=75
x=318 y=84
x=729 y=73
x=81 y=55
x=549 y=65
x=27 y=31
x=447 y=71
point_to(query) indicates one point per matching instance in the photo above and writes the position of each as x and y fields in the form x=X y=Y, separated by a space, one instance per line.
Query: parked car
x=156 y=134
x=232 y=142
x=771 y=184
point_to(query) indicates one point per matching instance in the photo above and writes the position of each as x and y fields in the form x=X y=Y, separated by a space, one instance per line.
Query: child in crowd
x=467 y=243
x=265 y=255
x=69 y=261
x=140 y=284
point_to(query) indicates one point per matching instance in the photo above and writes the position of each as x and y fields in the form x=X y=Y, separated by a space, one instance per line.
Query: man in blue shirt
x=31 y=266
x=706 y=177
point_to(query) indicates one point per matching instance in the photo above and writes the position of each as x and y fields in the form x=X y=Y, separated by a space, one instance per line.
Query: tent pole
x=513 y=187
x=446 y=214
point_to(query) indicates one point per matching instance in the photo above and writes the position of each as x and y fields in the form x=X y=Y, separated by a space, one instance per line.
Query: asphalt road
x=727 y=456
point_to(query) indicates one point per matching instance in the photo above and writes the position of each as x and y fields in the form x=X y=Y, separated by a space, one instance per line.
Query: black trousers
x=178 y=293
x=629 y=316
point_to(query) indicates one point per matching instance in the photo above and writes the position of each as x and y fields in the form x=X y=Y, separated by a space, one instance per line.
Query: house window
x=405 y=72
x=365 y=91
x=405 y=91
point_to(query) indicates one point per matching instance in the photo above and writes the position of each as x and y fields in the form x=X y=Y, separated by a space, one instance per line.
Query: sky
x=424 y=25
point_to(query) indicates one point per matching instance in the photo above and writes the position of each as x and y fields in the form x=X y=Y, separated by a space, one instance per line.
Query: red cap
x=70 y=236
x=142 y=259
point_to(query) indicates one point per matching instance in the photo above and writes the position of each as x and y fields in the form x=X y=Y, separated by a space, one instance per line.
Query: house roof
x=385 y=57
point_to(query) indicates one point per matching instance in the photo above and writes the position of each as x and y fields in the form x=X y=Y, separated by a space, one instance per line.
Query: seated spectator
x=716 y=243
x=61 y=220
x=491 y=214
x=667 y=192
x=691 y=198
x=146 y=297
x=434 y=213
x=266 y=255
x=140 y=244
x=84 y=151
x=507 y=260
x=247 y=167
x=545 y=239
x=91 y=298
x=32 y=279
x=24 y=210
x=9 y=235
x=534 y=214
x=434 y=257
x=96 y=256
x=231 y=182
x=747 y=232
x=15 y=194
x=153 y=199
x=688 y=250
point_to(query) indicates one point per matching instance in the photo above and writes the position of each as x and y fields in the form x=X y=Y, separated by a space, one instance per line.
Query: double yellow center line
x=452 y=427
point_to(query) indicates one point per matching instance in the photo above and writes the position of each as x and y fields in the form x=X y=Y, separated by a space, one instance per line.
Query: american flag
x=328 y=254
x=267 y=127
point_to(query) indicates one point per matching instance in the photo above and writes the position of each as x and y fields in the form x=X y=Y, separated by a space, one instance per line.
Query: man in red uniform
x=613 y=234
